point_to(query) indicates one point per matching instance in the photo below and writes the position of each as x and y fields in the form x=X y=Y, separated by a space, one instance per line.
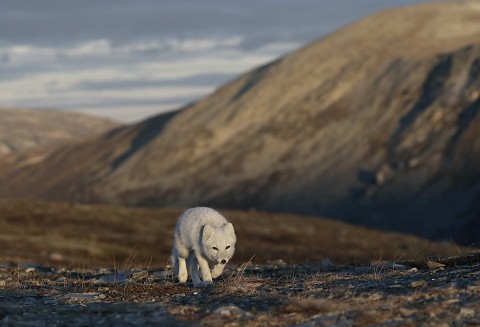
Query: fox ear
x=207 y=232
x=229 y=229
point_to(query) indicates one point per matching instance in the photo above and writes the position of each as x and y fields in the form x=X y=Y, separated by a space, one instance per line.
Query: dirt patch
x=433 y=292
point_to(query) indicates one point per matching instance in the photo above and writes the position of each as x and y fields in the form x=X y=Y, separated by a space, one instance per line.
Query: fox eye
x=228 y=247
x=215 y=248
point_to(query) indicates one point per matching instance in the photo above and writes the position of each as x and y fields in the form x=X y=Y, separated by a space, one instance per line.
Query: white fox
x=203 y=238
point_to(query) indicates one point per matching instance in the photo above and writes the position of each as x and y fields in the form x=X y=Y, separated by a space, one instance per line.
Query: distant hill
x=377 y=124
x=105 y=236
x=22 y=129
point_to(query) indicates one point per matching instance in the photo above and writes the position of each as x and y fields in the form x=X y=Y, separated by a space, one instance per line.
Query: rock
x=385 y=174
x=412 y=163
x=56 y=256
x=80 y=297
x=435 y=265
x=467 y=312
x=406 y=311
x=179 y=295
x=30 y=268
x=375 y=296
x=232 y=311
x=418 y=283
x=139 y=275
x=395 y=286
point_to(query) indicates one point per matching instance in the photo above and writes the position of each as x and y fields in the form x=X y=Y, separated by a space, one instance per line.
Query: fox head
x=219 y=243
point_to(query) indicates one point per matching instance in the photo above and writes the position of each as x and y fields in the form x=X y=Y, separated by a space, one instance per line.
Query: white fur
x=203 y=239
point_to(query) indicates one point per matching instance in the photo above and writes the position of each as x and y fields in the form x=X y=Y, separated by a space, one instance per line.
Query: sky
x=131 y=59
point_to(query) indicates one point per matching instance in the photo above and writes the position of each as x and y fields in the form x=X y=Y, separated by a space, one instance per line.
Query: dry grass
x=107 y=236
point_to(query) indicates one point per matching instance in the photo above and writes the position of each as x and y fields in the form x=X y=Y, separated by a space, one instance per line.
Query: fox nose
x=223 y=262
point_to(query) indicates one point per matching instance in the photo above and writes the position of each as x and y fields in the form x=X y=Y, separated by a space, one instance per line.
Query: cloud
x=207 y=79
x=147 y=55
x=102 y=48
x=115 y=77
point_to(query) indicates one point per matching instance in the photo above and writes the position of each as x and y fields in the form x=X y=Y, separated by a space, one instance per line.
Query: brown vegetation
x=106 y=236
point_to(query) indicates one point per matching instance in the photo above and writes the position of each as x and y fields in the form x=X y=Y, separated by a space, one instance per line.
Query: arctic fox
x=203 y=239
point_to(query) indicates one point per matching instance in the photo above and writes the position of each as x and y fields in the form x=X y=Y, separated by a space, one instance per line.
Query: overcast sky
x=130 y=59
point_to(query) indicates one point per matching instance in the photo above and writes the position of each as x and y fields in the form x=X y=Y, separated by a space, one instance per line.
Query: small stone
x=418 y=283
x=223 y=312
x=55 y=256
x=278 y=262
x=435 y=265
x=30 y=268
x=139 y=275
x=412 y=163
x=474 y=288
x=384 y=175
x=100 y=297
x=179 y=295
x=80 y=297
x=406 y=312
x=375 y=297
x=3 y=282
x=229 y=311
x=467 y=312
x=395 y=286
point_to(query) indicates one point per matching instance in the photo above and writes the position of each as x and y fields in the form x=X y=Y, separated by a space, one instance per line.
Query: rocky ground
x=435 y=292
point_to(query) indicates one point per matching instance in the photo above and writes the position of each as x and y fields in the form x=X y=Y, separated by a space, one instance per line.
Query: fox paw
x=182 y=278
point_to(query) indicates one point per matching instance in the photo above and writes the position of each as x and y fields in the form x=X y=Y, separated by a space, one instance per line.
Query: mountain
x=376 y=124
x=22 y=130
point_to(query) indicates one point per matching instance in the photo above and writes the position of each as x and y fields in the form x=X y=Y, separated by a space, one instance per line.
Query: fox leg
x=205 y=271
x=192 y=266
x=174 y=260
x=182 y=270
x=217 y=270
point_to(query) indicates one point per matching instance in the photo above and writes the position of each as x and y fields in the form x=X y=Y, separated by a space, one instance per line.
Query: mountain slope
x=376 y=124
x=22 y=130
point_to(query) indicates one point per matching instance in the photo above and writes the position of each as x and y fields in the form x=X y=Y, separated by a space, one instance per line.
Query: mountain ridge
x=374 y=124
x=27 y=129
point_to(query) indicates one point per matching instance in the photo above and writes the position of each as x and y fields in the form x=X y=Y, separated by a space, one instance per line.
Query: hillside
x=376 y=124
x=106 y=236
x=22 y=130
x=80 y=265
